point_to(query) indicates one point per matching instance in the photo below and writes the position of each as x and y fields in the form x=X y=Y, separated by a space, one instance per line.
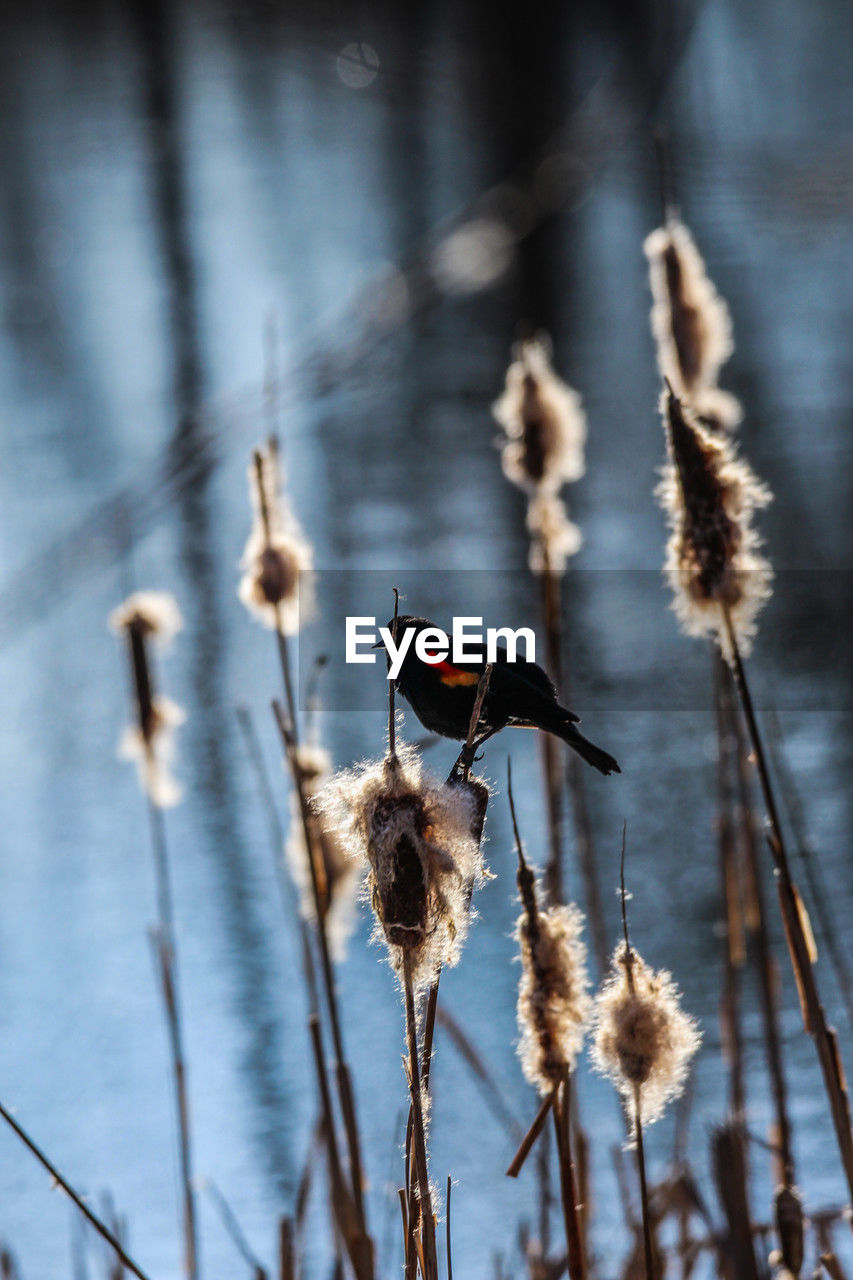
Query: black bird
x=520 y=694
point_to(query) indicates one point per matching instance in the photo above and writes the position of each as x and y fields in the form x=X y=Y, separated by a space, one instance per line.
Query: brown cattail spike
x=713 y=557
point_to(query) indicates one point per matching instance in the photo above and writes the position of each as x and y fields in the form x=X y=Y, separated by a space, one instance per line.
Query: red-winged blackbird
x=520 y=694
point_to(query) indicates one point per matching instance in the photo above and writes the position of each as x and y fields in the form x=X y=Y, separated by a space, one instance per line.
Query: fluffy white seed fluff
x=276 y=553
x=154 y=613
x=543 y=421
x=154 y=753
x=642 y=1038
x=414 y=833
x=690 y=322
x=713 y=555
x=553 y=995
x=338 y=874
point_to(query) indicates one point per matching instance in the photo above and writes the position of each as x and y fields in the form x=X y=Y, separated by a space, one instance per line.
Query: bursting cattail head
x=643 y=1041
x=337 y=873
x=554 y=538
x=690 y=323
x=553 y=994
x=713 y=556
x=415 y=835
x=149 y=743
x=276 y=552
x=544 y=423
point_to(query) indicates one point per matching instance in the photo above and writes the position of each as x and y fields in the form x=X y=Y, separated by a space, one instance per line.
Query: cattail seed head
x=543 y=422
x=415 y=835
x=554 y=538
x=337 y=873
x=554 y=1005
x=643 y=1041
x=276 y=553
x=690 y=323
x=149 y=743
x=713 y=556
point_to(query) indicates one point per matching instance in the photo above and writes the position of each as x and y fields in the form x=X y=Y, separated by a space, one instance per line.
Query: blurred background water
x=401 y=188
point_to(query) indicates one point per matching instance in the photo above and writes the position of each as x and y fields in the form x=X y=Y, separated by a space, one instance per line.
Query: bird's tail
x=599 y=759
x=561 y=723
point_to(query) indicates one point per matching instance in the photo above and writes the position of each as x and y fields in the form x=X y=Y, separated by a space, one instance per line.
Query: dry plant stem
x=568 y=1188
x=358 y=1246
x=814 y=1016
x=77 y=1200
x=342 y=1075
x=447 y=1231
x=234 y=1231
x=427 y=1222
x=768 y=986
x=557 y=650
x=527 y=1142
x=638 y=1117
x=552 y=751
x=290 y=906
x=166 y=961
x=730 y=889
x=811 y=867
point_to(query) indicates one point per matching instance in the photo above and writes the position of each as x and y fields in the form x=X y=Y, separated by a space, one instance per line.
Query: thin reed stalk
x=426 y=1221
x=814 y=1017
x=77 y=1200
x=733 y=949
x=342 y=1075
x=648 y=1249
x=568 y=1183
x=764 y=961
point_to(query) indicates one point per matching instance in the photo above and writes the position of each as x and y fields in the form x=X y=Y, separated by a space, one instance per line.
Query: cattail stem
x=165 y=960
x=427 y=1222
x=767 y=972
x=730 y=891
x=392 y=688
x=644 y=1191
x=78 y=1201
x=527 y=1142
x=342 y=1076
x=568 y=1188
x=814 y=1016
x=447 y=1231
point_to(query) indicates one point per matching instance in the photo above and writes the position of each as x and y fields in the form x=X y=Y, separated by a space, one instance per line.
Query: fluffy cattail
x=544 y=423
x=337 y=873
x=643 y=1041
x=553 y=994
x=690 y=323
x=415 y=834
x=276 y=552
x=146 y=616
x=713 y=556
x=554 y=538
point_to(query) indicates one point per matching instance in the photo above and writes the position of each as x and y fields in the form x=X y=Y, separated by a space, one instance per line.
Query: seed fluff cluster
x=553 y=994
x=337 y=873
x=543 y=449
x=276 y=552
x=415 y=835
x=713 y=556
x=143 y=617
x=690 y=324
x=643 y=1041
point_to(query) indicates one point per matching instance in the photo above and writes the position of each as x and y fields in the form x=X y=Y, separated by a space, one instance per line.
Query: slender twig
x=427 y=1222
x=792 y=914
x=233 y=1229
x=392 y=688
x=765 y=963
x=568 y=1189
x=527 y=1142
x=47 y=1164
x=638 y=1118
x=447 y=1231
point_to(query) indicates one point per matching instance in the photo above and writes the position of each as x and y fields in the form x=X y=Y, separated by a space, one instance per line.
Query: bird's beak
x=380 y=644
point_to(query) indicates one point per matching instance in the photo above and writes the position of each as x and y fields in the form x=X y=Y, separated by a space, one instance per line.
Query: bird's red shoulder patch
x=455 y=676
